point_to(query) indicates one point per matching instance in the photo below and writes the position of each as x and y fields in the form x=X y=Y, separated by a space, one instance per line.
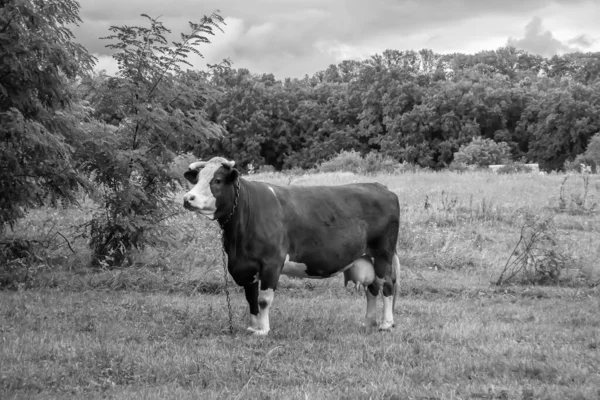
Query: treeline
x=418 y=107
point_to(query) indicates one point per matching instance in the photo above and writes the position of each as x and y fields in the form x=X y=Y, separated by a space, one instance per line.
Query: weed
x=537 y=257
x=575 y=202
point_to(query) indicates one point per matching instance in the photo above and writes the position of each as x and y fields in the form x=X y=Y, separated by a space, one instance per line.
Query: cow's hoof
x=251 y=329
x=259 y=332
x=386 y=326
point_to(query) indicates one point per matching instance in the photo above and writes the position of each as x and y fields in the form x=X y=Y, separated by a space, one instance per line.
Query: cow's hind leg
x=383 y=279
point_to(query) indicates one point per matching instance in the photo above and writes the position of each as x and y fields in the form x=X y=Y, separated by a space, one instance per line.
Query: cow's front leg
x=251 y=291
x=269 y=276
x=265 y=299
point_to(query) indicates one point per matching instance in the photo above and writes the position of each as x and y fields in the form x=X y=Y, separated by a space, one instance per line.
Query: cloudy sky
x=297 y=37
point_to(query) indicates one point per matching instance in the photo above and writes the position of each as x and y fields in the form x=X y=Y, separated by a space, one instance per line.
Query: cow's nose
x=191 y=197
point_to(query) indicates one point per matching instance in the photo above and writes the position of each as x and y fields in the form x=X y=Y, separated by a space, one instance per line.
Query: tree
x=38 y=135
x=162 y=114
x=561 y=120
x=482 y=152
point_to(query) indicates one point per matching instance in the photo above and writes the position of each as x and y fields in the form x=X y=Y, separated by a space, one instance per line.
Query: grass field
x=159 y=329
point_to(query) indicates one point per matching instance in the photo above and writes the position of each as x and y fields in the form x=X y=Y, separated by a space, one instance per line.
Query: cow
x=300 y=231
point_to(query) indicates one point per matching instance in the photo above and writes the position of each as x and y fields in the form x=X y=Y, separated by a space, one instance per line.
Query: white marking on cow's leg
x=371 y=317
x=265 y=299
x=271 y=189
x=253 y=323
x=388 y=314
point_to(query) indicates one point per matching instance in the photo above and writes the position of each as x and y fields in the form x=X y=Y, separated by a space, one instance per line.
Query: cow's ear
x=191 y=175
x=232 y=175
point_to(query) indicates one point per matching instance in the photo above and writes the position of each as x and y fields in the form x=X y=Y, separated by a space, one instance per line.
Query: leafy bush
x=405 y=167
x=377 y=163
x=351 y=161
x=482 y=152
x=348 y=161
x=591 y=158
x=593 y=149
x=514 y=168
x=265 y=169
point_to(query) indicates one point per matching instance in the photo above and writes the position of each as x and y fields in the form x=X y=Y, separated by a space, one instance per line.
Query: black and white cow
x=300 y=231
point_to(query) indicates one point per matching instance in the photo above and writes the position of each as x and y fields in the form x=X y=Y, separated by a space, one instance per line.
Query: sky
x=291 y=38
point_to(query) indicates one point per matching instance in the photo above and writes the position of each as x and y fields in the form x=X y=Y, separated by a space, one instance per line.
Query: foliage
x=482 y=152
x=514 y=168
x=590 y=158
x=346 y=161
x=415 y=107
x=38 y=130
x=352 y=161
x=158 y=112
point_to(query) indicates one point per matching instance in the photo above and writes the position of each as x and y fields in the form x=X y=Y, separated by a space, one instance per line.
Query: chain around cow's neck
x=223 y=251
x=235 y=203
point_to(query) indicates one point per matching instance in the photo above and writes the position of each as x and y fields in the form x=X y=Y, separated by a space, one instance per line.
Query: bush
x=541 y=258
x=265 y=169
x=592 y=153
x=376 y=162
x=482 y=152
x=405 y=167
x=591 y=157
x=347 y=161
x=351 y=161
x=514 y=168
x=580 y=163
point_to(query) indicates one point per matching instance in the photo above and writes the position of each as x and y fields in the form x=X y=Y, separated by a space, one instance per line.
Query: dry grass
x=158 y=329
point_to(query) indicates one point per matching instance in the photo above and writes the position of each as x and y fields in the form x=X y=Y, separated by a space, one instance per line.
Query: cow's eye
x=217 y=181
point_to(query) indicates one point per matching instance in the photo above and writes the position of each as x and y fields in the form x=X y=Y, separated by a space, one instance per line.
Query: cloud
x=540 y=41
x=294 y=37
x=582 y=41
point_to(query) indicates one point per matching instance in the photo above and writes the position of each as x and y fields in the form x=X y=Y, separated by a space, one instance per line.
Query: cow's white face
x=209 y=180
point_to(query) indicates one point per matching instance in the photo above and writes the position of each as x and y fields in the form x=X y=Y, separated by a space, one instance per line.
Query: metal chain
x=226 y=279
x=225 y=275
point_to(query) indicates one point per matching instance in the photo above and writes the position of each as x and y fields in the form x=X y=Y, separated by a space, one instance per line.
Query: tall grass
x=449 y=221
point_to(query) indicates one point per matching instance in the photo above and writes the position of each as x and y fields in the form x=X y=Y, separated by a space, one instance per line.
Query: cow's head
x=214 y=189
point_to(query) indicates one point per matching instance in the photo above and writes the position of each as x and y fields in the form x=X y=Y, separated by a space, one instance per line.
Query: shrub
x=347 y=161
x=377 y=162
x=351 y=161
x=405 y=167
x=482 y=152
x=514 y=168
x=540 y=257
x=590 y=158
x=266 y=169
x=592 y=153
